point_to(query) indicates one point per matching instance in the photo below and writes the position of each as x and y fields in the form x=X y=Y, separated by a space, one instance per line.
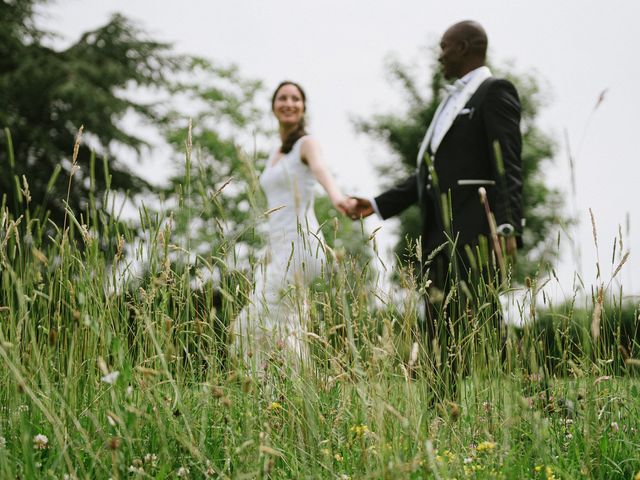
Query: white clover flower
x=151 y=459
x=183 y=472
x=40 y=442
x=111 y=378
x=136 y=470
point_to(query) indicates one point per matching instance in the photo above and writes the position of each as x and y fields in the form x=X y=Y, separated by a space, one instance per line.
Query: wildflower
x=40 y=442
x=549 y=473
x=274 y=406
x=325 y=452
x=359 y=430
x=637 y=477
x=3 y=443
x=467 y=460
x=569 y=436
x=182 y=472
x=151 y=459
x=537 y=468
x=614 y=426
x=136 y=470
x=486 y=446
x=338 y=457
x=111 y=378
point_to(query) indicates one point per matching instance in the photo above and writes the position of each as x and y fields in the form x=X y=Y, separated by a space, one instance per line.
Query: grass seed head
x=113 y=444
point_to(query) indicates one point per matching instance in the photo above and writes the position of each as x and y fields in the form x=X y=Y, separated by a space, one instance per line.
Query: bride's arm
x=311 y=155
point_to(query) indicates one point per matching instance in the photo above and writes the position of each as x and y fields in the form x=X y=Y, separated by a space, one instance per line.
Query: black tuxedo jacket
x=464 y=161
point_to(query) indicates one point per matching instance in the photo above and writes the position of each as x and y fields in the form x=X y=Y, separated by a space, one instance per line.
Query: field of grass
x=107 y=375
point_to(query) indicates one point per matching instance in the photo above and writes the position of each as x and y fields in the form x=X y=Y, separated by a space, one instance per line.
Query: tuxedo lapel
x=429 y=134
x=462 y=99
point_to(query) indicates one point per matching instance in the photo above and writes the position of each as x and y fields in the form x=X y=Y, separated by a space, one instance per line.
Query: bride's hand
x=344 y=204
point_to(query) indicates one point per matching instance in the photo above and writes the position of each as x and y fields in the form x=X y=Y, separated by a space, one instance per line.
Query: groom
x=473 y=141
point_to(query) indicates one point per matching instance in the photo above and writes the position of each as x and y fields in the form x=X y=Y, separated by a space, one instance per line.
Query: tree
x=402 y=133
x=46 y=95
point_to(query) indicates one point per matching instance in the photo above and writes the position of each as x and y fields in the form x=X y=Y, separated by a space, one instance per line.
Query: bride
x=274 y=319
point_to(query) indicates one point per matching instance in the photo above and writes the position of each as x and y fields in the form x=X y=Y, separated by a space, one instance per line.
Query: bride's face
x=288 y=106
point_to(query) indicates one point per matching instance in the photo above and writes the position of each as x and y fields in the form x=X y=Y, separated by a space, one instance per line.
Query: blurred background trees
x=48 y=94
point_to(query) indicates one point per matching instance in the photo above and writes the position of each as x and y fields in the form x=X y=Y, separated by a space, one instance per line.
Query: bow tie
x=455 y=87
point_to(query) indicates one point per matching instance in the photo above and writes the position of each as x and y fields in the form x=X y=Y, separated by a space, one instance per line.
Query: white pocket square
x=467 y=111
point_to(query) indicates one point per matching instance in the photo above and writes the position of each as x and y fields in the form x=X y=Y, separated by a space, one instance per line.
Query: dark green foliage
x=564 y=336
x=402 y=131
x=46 y=95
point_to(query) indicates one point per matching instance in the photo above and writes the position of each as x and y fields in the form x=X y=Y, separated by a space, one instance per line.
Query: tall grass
x=106 y=374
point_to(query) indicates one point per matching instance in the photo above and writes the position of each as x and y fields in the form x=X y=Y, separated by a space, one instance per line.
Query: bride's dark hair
x=300 y=130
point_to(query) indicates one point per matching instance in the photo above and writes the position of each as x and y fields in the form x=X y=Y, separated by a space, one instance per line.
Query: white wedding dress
x=275 y=319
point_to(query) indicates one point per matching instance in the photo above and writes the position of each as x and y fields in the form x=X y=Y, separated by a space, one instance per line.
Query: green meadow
x=114 y=365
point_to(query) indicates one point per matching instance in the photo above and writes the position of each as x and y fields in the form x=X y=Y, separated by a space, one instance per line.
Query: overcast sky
x=337 y=49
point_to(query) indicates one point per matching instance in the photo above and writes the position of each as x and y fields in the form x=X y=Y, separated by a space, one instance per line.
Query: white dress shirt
x=448 y=110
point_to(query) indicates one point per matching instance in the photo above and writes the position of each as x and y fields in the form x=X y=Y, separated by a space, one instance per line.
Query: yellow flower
x=637 y=477
x=549 y=473
x=450 y=455
x=359 y=430
x=486 y=447
x=537 y=468
x=274 y=406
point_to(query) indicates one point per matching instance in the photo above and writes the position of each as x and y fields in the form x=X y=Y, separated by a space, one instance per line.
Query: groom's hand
x=361 y=208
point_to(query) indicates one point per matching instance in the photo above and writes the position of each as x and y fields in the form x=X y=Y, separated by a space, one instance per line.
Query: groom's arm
x=398 y=198
x=502 y=123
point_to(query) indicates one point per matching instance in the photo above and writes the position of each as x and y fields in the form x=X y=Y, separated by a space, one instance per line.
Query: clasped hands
x=354 y=207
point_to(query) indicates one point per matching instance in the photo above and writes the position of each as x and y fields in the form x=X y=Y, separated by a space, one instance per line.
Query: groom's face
x=451 y=55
